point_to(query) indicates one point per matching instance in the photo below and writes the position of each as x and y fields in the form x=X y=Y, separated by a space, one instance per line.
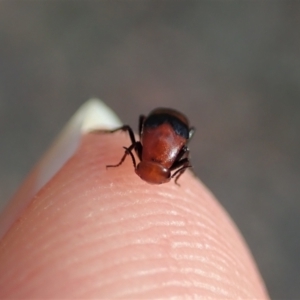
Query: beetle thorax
x=161 y=145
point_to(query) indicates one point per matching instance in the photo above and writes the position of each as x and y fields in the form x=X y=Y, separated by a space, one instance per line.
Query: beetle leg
x=123 y=128
x=182 y=165
x=141 y=122
x=183 y=153
x=127 y=152
x=138 y=150
x=137 y=146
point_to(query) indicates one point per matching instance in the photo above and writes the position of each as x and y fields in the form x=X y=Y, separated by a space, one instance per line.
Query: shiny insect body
x=162 y=148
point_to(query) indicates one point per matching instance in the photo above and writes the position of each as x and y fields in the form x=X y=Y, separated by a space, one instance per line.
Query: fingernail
x=92 y=115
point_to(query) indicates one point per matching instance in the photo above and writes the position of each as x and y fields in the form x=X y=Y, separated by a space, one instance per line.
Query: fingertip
x=93 y=232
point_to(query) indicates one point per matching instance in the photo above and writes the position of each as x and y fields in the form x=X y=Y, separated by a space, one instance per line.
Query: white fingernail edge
x=93 y=114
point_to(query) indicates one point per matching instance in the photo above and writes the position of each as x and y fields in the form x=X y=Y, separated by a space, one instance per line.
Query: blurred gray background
x=233 y=68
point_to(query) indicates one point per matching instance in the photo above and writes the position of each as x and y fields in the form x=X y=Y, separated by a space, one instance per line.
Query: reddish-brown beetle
x=164 y=135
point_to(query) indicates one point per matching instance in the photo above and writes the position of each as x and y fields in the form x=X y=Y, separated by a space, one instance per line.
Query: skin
x=97 y=233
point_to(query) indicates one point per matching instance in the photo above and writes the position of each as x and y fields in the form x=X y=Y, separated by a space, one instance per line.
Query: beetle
x=162 y=148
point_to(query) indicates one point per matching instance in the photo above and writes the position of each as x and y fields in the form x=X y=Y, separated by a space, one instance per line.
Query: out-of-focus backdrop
x=232 y=68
